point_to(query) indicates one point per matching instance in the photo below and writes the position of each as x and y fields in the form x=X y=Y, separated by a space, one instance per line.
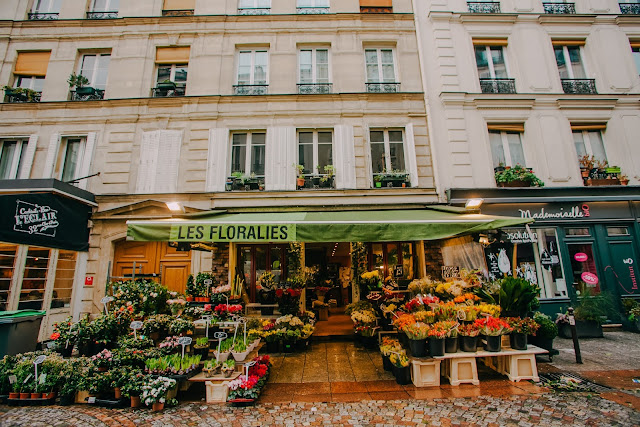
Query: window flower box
x=517 y=176
x=392 y=180
x=244 y=183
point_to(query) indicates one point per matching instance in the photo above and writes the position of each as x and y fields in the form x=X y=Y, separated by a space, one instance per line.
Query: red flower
x=207 y=307
x=55 y=336
x=279 y=293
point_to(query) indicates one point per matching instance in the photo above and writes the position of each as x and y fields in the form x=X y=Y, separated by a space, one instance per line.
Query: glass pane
x=305 y=151
x=306 y=72
x=636 y=58
x=35 y=279
x=238 y=152
x=276 y=262
x=396 y=152
x=584 y=269
x=181 y=74
x=102 y=72
x=576 y=63
x=245 y=263
x=498 y=63
x=325 y=151
x=597 y=146
x=261 y=260
x=392 y=257
x=260 y=75
x=388 y=73
x=257 y=153
x=482 y=62
x=164 y=73
x=322 y=66
x=377 y=258
x=244 y=68
x=578 y=232
x=578 y=140
x=63 y=284
x=617 y=231
x=6 y=158
x=264 y=3
x=407 y=261
x=7 y=261
x=25 y=82
x=515 y=149
x=562 y=65
x=378 y=164
x=497 y=150
x=305 y=3
x=371 y=58
x=88 y=67
x=71 y=159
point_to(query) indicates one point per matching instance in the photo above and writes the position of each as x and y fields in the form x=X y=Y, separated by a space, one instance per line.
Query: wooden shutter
x=367 y=155
x=411 y=159
x=148 y=162
x=52 y=155
x=168 y=165
x=172 y=55
x=344 y=157
x=179 y=5
x=376 y=3
x=490 y=42
x=589 y=126
x=217 y=159
x=507 y=127
x=25 y=171
x=32 y=63
x=569 y=42
x=280 y=158
x=85 y=168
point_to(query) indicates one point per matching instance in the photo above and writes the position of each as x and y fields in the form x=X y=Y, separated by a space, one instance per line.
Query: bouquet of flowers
x=288 y=300
x=421 y=286
x=308 y=317
x=154 y=390
x=452 y=328
x=525 y=326
x=390 y=345
x=224 y=311
x=103 y=359
x=471 y=330
x=288 y=322
x=244 y=388
x=438 y=331
x=363 y=317
x=467 y=298
x=371 y=280
x=425 y=316
x=306 y=332
x=490 y=309
x=404 y=319
x=366 y=331
x=273 y=335
x=416 y=331
x=399 y=359
x=492 y=326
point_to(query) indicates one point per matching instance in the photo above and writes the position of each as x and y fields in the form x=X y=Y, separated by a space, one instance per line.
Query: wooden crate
x=425 y=373
x=217 y=392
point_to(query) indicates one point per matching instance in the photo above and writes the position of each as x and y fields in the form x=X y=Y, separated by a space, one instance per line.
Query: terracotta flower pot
x=13 y=395
x=25 y=395
x=117 y=392
x=49 y=395
x=136 y=402
x=189 y=299
x=36 y=395
x=157 y=406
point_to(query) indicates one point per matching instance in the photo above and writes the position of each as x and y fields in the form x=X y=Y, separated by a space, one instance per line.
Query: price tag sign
x=207 y=319
x=184 y=341
x=39 y=359
x=91 y=400
x=12 y=379
x=221 y=336
x=572 y=321
x=247 y=366
x=136 y=325
x=462 y=315
x=208 y=282
x=43 y=378
x=106 y=300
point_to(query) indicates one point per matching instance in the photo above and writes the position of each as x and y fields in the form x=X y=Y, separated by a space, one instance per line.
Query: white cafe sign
x=576 y=212
x=35 y=219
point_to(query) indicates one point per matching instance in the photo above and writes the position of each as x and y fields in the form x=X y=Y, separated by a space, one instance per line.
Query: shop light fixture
x=473 y=204
x=175 y=206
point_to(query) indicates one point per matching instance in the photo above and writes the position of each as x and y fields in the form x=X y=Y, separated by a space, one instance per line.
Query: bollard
x=574 y=335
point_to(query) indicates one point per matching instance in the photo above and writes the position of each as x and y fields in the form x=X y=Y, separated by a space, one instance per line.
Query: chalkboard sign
x=398 y=271
x=208 y=282
x=220 y=335
x=135 y=325
x=450 y=272
x=106 y=300
x=185 y=340
x=39 y=359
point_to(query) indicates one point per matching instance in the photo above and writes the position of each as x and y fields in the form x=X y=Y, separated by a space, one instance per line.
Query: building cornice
x=531 y=100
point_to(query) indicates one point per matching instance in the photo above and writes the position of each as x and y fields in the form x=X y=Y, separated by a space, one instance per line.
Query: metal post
x=574 y=335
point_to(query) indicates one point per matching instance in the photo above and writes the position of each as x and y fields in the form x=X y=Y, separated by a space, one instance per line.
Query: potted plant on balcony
x=300 y=176
x=327 y=179
x=624 y=180
x=603 y=174
x=21 y=94
x=377 y=181
x=517 y=176
x=395 y=178
x=586 y=165
x=166 y=85
x=80 y=82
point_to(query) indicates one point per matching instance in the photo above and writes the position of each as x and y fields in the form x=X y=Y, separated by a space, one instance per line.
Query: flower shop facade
x=583 y=241
x=44 y=243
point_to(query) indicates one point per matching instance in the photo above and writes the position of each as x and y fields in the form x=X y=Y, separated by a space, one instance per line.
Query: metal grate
x=566 y=381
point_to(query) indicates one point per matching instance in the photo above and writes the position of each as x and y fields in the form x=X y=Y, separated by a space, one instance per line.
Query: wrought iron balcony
x=312 y=10
x=559 y=8
x=37 y=16
x=102 y=15
x=314 y=88
x=250 y=89
x=383 y=87
x=184 y=12
x=165 y=92
x=254 y=11
x=317 y=182
x=87 y=94
x=17 y=96
x=630 y=8
x=498 y=85
x=483 y=6
x=579 y=86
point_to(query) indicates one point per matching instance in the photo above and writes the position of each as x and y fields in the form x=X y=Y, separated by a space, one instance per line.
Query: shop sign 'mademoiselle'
x=576 y=212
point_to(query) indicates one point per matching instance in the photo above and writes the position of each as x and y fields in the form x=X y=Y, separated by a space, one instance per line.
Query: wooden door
x=174 y=266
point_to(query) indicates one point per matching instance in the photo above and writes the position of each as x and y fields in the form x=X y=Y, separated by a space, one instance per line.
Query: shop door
x=172 y=267
x=253 y=260
x=620 y=270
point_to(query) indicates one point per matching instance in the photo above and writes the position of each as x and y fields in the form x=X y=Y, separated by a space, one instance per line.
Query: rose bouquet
x=493 y=326
x=104 y=359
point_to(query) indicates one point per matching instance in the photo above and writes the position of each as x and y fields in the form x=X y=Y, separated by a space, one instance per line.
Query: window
x=104 y=9
x=571 y=68
x=63 y=284
x=95 y=68
x=635 y=51
x=248 y=153
x=315 y=151
x=506 y=148
x=69 y=159
x=376 y=6
x=12 y=153
x=387 y=151
x=30 y=71
x=254 y=7
x=252 y=72
x=618 y=231
x=492 y=70
x=34 y=279
x=314 y=71
x=45 y=9
x=589 y=143
x=172 y=69
x=7 y=261
x=313 y=6
x=381 y=73
x=393 y=259
x=178 y=7
x=35 y=83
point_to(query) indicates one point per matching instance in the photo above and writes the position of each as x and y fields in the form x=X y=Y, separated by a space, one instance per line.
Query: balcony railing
x=316 y=182
x=165 y=92
x=383 y=87
x=312 y=10
x=15 y=97
x=579 y=86
x=184 y=12
x=102 y=15
x=87 y=94
x=245 y=183
x=254 y=11
x=250 y=89
x=498 y=85
x=559 y=8
x=37 y=16
x=630 y=8
x=314 y=88
x=483 y=6
x=370 y=9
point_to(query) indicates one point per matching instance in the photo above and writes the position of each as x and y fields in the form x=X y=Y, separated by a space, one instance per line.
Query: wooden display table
x=217 y=387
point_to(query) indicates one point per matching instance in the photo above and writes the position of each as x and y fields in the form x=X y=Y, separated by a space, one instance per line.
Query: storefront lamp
x=175 y=207
x=473 y=204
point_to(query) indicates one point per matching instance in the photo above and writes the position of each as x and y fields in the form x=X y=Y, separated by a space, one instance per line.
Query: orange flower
x=55 y=336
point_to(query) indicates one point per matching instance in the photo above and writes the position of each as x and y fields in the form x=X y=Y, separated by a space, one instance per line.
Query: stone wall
x=220 y=263
x=433 y=259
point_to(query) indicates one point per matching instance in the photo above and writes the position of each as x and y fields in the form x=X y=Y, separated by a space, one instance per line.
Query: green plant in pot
x=517 y=176
x=518 y=297
x=546 y=333
x=80 y=82
x=166 y=84
x=590 y=312
x=201 y=347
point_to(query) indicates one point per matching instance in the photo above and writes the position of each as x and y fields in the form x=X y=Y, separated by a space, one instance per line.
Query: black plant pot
x=404 y=340
x=386 y=363
x=436 y=346
x=469 y=344
x=84 y=349
x=266 y=311
x=273 y=346
x=418 y=348
x=451 y=345
x=65 y=351
x=288 y=346
x=303 y=345
x=584 y=328
x=518 y=341
x=493 y=343
x=203 y=352
x=403 y=375
x=67 y=399
x=542 y=342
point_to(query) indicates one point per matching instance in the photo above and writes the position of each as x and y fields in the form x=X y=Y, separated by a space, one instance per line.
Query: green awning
x=432 y=223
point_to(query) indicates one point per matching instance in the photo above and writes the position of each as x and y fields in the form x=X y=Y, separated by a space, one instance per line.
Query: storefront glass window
x=261 y=260
x=530 y=255
x=34 y=279
x=617 y=231
x=276 y=262
x=7 y=261
x=407 y=260
x=577 y=232
x=393 y=259
x=583 y=266
x=63 y=284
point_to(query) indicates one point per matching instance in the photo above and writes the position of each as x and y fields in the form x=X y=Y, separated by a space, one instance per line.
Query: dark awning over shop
x=430 y=223
x=46 y=213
